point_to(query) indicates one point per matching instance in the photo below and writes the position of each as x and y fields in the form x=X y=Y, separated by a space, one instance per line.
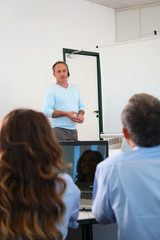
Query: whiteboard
x=127 y=69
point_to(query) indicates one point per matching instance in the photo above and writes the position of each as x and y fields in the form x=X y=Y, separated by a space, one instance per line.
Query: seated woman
x=38 y=201
x=86 y=166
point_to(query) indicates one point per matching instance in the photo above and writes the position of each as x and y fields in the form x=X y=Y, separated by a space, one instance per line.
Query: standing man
x=63 y=104
x=127 y=186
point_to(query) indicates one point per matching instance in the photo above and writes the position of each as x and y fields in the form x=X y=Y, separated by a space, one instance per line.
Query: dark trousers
x=63 y=134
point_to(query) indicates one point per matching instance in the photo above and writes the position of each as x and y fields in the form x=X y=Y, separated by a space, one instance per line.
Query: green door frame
x=94 y=54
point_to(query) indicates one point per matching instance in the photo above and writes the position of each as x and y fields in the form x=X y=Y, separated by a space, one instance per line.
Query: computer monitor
x=84 y=156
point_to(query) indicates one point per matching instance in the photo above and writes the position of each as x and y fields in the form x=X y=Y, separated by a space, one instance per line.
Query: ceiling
x=119 y=4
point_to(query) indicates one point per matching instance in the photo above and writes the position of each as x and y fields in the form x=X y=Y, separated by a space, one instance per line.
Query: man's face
x=61 y=73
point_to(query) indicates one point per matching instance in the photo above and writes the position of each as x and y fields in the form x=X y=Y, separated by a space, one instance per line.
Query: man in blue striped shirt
x=127 y=186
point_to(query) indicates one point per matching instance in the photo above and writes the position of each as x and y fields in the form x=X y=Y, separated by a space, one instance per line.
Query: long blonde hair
x=31 y=205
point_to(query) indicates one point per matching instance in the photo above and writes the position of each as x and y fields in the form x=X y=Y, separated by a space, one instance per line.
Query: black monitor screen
x=84 y=156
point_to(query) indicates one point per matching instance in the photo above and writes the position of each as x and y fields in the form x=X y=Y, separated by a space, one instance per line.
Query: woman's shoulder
x=72 y=191
x=68 y=180
x=66 y=177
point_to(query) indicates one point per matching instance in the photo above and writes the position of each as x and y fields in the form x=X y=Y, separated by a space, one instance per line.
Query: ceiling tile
x=123 y=3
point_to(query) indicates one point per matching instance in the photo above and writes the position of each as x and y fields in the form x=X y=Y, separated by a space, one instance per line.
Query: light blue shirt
x=127 y=191
x=62 y=99
x=71 y=199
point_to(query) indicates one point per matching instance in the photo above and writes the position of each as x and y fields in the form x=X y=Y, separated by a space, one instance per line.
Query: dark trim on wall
x=94 y=54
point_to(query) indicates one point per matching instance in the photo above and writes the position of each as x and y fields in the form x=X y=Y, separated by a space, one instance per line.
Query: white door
x=83 y=74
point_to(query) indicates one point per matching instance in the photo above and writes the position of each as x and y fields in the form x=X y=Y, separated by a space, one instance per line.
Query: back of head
x=141 y=118
x=30 y=205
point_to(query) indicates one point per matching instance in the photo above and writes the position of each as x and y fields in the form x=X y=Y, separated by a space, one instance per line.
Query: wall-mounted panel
x=127 y=69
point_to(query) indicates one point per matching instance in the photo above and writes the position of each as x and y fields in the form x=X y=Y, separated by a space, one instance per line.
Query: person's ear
x=54 y=74
x=128 y=137
x=125 y=132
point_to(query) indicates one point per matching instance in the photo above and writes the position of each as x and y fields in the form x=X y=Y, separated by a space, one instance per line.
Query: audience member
x=127 y=186
x=38 y=201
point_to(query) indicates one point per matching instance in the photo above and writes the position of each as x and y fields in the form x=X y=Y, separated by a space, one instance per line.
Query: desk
x=90 y=229
x=86 y=219
x=84 y=231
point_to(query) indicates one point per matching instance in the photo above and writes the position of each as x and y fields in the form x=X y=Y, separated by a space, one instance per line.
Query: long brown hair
x=31 y=205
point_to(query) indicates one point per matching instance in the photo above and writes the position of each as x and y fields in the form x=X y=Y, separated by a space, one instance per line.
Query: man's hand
x=80 y=118
x=72 y=115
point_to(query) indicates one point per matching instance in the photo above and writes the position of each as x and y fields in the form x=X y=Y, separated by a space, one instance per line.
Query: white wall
x=32 y=35
x=137 y=23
